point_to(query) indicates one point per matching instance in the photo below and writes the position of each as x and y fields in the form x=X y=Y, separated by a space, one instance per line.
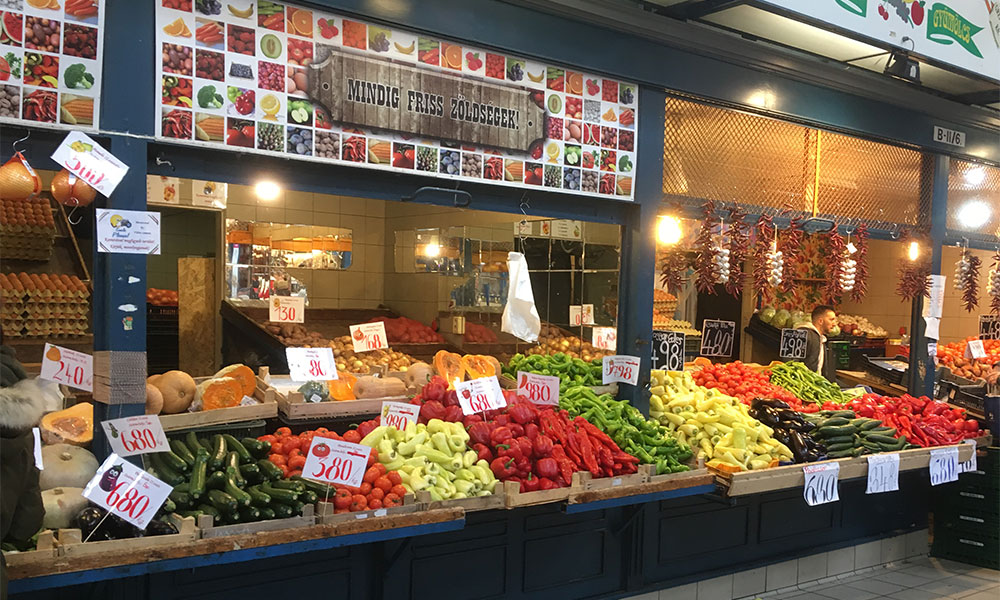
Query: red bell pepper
x=500 y=435
x=484 y=452
x=530 y=483
x=516 y=429
x=547 y=467
x=479 y=433
x=503 y=468
x=531 y=430
x=453 y=413
x=545 y=483
x=522 y=412
x=542 y=445
x=432 y=409
x=525 y=445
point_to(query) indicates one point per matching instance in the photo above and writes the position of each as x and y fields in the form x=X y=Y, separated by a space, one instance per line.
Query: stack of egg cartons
x=43 y=305
x=27 y=230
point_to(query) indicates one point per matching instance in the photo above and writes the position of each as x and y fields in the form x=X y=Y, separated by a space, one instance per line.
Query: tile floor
x=918 y=578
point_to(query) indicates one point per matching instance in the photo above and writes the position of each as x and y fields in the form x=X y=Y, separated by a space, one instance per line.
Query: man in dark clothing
x=818 y=355
x=21 y=407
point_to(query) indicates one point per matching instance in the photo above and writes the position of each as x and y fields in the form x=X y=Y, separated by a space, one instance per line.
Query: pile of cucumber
x=230 y=479
x=845 y=436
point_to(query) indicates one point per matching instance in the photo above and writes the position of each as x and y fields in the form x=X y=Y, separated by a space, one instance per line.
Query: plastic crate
x=967 y=543
x=886 y=368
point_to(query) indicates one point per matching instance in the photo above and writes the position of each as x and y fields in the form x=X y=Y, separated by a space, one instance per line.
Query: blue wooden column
x=638 y=255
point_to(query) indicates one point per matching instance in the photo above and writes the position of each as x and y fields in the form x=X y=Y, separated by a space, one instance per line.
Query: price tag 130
x=944 y=465
x=821 y=483
x=479 y=395
x=68 y=367
x=309 y=364
x=538 y=389
x=136 y=435
x=287 y=309
x=337 y=462
x=604 y=338
x=883 y=473
x=620 y=369
x=399 y=414
x=369 y=336
x=127 y=491
x=974 y=349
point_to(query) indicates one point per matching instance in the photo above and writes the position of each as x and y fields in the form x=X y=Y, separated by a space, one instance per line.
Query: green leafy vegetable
x=77 y=77
x=209 y=98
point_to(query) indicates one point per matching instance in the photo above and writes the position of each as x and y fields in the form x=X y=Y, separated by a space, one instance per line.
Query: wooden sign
x=371 y=92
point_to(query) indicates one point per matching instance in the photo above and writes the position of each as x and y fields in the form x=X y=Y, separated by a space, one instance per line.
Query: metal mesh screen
x=974 y=200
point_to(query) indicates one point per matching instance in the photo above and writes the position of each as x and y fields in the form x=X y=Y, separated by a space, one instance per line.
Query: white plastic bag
x=520 y=317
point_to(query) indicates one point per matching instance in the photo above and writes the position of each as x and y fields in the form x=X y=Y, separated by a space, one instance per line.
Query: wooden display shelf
x=267 y=408
x=294 y=406
x=208 y=529
x=496 y=500
x=45 y=553
x=643 y=483
x=326 y=515
x=70 y=542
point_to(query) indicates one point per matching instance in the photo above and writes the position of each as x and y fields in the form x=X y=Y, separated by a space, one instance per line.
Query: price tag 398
x=480 y=395
x=399 y=414
x=309 y=364
x=287 y=309
x=336 y=462
x=821 y=483
x=538 y=389
x=620 y=369
x=68 y=367
x=369 y=336
x=136 y=435
x=127 y=491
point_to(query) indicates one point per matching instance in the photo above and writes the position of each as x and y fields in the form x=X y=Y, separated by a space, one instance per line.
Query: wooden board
x=208 y=529
x=70 y=541
x=266 y=409
x=325 y=514
x=45 y=553
x=585 y=482
x=658 y=483
x=493 y=501
x=196 y=320
x=514 y=498
x=791 y=476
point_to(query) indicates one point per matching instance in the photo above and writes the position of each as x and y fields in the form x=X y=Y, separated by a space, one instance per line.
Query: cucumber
x=866 y=424
x=836 y=421
x=190 y=513
x=284 y=484
x=181 y=450
x=881 y=439
x=890 y=431
x=840 y=439
x=251 y=473
x=233 y=462
x=884 y=447
x=825 y=432
x=321 y=489
x=309 y=497
x=217 y=456
x=278 y=494
x=222 y=501
x=241 y=497
x=198 y=475
x=846 y=414
x=166 y=473
x=832 y=448
x=270 y=470
x=182 y=499
x=282 y=511
x=208 y=509
x=249 y=513
x=840 y=454
x=216 y=481
x=266 y=512
x=257 y=497
x=257 y=448
x=234 y=445
x=191 y=441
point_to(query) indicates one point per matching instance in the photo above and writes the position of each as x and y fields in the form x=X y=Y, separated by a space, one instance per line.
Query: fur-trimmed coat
x=21 y=509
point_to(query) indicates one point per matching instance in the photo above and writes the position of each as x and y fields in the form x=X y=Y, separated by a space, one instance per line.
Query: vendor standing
x=818 y=355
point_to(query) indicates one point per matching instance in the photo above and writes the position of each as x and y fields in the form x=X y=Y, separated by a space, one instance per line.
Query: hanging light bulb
x=668 y=230
x=914 y=251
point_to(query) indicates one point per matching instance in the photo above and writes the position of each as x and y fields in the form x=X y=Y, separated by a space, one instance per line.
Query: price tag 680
x=127 y=491
x=136 y=435
x=309 y=364
x=479 y=395
x=287 y=309
x=369 y=336
x=68 y=367
x=399 y=414
x=538 y=389
x=620 y=369
x=944 y=465
x=336 y=462
x=821 y=483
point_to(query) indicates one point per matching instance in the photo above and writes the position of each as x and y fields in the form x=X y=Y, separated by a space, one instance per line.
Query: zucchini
x=191 y=441
x=168 y=506
x=836 y=421
x=309 y=497
x=241 y=497
x=256 y=448
x=278 y=494
x=866 y=424
x=233 y=462
x=190 y=513
x=181 y=450
x=251 y=473
x=216 y=481
x=183 y=487
x=890 y=431
x=222 y=501
x=231 y=518
x=165 y=472
x=208 y=509
x=249 y=513
x=182 y=499
x=217 y=455
x=173 y=461
x=832 y=448
x=284 y=484
x=881 y=439
x=234 y=445
x=840 y=453
x=282 y=511
x=266 y=512
x=257 y=497
x=321 y=489
x=840 y=439
x=846 y=414
x=270 y=470
x=834 y=431
x=297 y=507
x=198 y=474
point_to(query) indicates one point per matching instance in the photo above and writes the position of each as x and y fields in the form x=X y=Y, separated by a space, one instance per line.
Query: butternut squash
x=243 y=374
x=379 y=387
x=178 y=389
x=417 y=375
x=154 y=400
x=218 y=392
x=74 y=425
x=342 y=388
x=477 y=366
x=449 y=365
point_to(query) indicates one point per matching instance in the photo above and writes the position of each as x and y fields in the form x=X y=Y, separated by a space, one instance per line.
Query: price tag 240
x=287 y=309
x=620 y=369
x=883 y=473
x=136 y=435
x=309 y=364
x=821 y=483
x=369 y=336
x=125 y=490
x=336 y=462
x=944 y=465
x=479 y=395
x=398 y=414
x=68 y=367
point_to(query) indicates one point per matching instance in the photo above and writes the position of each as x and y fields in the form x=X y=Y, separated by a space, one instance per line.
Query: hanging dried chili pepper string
x=861 y=257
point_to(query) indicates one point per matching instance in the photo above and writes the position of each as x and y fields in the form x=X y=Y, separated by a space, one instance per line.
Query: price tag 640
x=287 y=309
x=399 y=414
x=944 y=465
x=538 y=389
x=620 y=369
x=883 y=473
x=821 y=483
x=604 y=338
x=68 y=367
x=479 y=395
x=136 y=435
x=369 y=336
x=309 y=364
x=127 y=491
x=337 y=462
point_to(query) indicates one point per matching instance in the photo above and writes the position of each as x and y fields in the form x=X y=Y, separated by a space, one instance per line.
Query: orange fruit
x=574 y=83
x=177 y=28
x=53 y=354
x=38 y=3
x=302 y=21
x=452 y=55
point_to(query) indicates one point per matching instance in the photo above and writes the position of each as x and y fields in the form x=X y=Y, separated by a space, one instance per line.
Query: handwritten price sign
x=604 y=338
x=717 y=337
x=68 y=367
x=136 y=435
x=793 y=344
x=821 y=483
x=287 y=309
x=883 y=473
x=944 y=465
x=308 y=364
x=369 y=336
x=970 y=465
x=336 y=462
x=127 y=491
x=620 y=369
x=989 y=327
x=539 y=389
x=479 y=395
x=398 y=414
x=581 y=314
x=668 y=350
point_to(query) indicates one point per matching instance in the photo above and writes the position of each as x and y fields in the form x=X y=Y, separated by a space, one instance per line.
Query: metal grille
x=974 y=200
x=723 y=155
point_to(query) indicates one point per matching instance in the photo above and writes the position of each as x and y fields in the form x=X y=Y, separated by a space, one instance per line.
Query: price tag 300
x=369 y=336
x=136 y=435
x=821 y=483
x=310 y=364
x=68 y=367
x=620 y=369
x=399 y=414
x=336 y=462
x=479 y=395
x=287 y=309
x=127 y=491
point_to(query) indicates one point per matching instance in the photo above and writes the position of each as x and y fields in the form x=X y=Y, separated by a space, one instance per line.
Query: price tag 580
x=336 y=462
x=127 y=491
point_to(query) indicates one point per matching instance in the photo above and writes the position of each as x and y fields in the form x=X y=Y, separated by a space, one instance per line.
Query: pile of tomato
x=746 y=383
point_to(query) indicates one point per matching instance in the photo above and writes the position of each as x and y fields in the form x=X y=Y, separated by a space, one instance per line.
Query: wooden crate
x=266 y=409
x=491 y=502
x=71 y=544
x=637 y=484
x=325 y=514
x=585 y=482
x=45 y=552
x=513 y=498
x=294 y=406
x=208 y=528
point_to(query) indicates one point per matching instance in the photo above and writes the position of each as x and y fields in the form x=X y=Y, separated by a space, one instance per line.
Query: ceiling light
x=914 y=250
x=668 y=230
x=901 y=66
x=267 y=190
x=975 y=176
x=762 y=99
x=432 y=250
x=974 y=214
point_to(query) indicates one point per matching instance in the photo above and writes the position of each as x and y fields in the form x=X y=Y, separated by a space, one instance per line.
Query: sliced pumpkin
x=219 y=392
x=723 y=467
x=74 y=425
x=243 y=374
x=478 y=366
x=342 y=388
x=449 y=365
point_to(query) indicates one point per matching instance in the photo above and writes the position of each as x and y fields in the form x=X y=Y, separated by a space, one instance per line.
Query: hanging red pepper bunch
x=913 y=274
x=790 y=246
x=994 y=284
x=762 y=275
x=739 y=249
x=836 y=248
x=674 y=266
x=967 y=279
x=861 y=256
x=705 y=246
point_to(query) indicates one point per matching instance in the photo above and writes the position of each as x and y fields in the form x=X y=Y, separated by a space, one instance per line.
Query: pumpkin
x=449 y=366
x=178 y=389
x=477 y=366
x=74 y=425
x=218 y=392
x=61 y=505
x=379 y=387
x=342 y=388
x=243 y=374
x=153 y=379
x=417 y=375
x=66 y=466
x=154 y=400
x=723 y=467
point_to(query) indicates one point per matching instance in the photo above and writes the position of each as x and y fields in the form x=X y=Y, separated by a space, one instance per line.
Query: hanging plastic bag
x=520 y=317
x=18 y=180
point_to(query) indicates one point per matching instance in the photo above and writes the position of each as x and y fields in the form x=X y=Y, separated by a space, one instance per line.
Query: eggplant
x=160 y=527
x=89 y=522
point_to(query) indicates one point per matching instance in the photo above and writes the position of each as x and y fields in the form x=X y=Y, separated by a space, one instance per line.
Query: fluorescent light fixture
x=267 y=190
x=974 y=213
x=668 y=230
x=762 y=99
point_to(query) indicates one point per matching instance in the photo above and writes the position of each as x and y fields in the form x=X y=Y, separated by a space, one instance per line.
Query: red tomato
x=383 y=482
x=394 y=477
x=295 y=473
x=374 y=504
x=283 y=432
x=376 y=494
x=267 y=438
x=365 y=488
x=392 y=500
x=371 y=475
x=342 y=499
x=278 y=459
x=372 y=458
x=358 y=503
x=352 y=436
x=290 y=443
x=381 y=469
x=397 y=489
x=297 y=462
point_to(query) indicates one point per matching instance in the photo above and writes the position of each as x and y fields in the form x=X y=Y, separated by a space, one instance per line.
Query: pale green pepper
x=433 y=455
x=469 y=458
x=466 y=474
x=463 y=486
x=375 y=436
x=408 y=447
x=440 y=441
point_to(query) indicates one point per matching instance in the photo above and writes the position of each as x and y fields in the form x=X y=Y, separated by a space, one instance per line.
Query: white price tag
x=883 y=473
x=337 y=462
x=971 y=464
x=620 y=369
x=575 y=314
x=821 y=483
x=539 y=389
x=604 y=338
x=480 y=395
x=89 y=161
x=127 y=491
x=944 y=465
x=974 y=349
x=38 y=448
x=369 y=336
x=287 y=309
x=248 y=401
x=311 y=364
x=68 y=367
x=399 y=414
x=140 y=434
